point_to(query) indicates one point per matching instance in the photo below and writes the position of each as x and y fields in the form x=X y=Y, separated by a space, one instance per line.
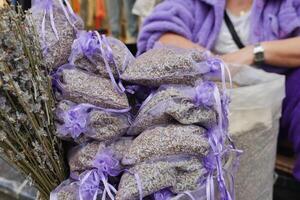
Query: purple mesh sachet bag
x=183 y=104
x=82 y=122
x=87 y=156
x=56 y=25
x=83 y=87
x=88 y=53
x=161 y=141
x=167 y=65
x=179 y=173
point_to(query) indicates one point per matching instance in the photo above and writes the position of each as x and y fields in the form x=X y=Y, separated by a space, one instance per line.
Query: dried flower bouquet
x=27 y=129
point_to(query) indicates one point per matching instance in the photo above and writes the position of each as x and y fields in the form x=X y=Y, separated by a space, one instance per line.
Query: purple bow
x=89 y=185
x=95 y=181
x=75 y=120
x=204 y=94
x=218 y=135
x=85 y=44
x=107 y=164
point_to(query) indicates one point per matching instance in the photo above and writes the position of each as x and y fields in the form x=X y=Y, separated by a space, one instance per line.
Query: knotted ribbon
x=92 y=43
x=95 y=181
x=85 y=45
x=208 y=94
x=75 y=120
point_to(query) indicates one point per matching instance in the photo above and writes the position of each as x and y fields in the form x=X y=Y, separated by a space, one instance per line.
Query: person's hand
x=243 y=56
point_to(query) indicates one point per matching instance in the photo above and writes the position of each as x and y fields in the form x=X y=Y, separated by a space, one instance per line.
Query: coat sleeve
x=174 y=16
x=289 y=18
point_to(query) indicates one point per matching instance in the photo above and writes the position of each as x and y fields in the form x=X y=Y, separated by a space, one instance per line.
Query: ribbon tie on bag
x=84 y=45
x=164 y=194
x=92 y=43
x=95 y=181
x=218 y=135
x=75 y=120
x=203 y=94
x=109 y=58
x=89 y=185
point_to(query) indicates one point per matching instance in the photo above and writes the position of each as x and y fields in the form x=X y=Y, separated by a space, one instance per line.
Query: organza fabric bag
x=173 y=103
x=90 y=53
x=168 y=65
x=83 y=87
x=85 y=156
x=180 y=173
x=67 y=190
x=56 y=25
x=207 y=187
x=81 y=122
x=161 y=141
x=102 y=163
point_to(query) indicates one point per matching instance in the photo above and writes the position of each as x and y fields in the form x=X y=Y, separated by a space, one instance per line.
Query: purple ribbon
x=67 y=13
x=109 y=58
x=56 y=77
x=164 y=194
x=91 y=43
x=218 y=135
x=217 y=142
x=89 y=183
x=85 y=44
x=90 y=187
x=106 y=163
x=139 y=184
x=75 y=120
x=204 y=95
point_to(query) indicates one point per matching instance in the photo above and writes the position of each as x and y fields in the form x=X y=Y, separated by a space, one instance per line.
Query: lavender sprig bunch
x=27 y=129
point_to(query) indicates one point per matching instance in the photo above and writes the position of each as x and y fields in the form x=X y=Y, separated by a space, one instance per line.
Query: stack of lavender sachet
x=94 y=112
x=182 y=147
x=177 y=146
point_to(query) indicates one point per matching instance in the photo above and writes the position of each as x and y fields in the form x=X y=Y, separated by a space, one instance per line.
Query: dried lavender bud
x=107 y=126
x=94 y=123
x=82 y=87
x=188 y=181
x=83 y=157
x=186 y=112
x=121 y=53
x=121 y=146
x=68 y=192
x=56 y=50
x=27 y=104
x=166 y=65
x=154 y=176
x=162 y=141
x=89 y=57
x=172 y=104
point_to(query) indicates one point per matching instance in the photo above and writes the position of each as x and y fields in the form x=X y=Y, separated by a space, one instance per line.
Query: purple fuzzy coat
x=200 y=21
